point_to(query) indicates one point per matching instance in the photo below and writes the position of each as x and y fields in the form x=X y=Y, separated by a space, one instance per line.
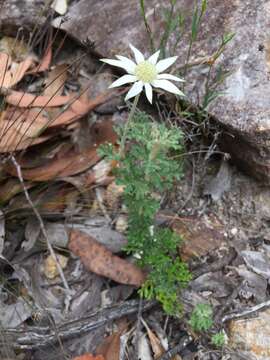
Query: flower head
x=145 y=74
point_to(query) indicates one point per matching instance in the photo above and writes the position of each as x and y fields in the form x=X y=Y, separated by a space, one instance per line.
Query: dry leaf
x=144 y=350
x=73 y=163
x=24 y=99
x=10 y=72
x=157 y=348
x=55 y=81
x=101 y=261
x=110 y=348
x=70 y=162
x=89 y=357
x=10 y=188
x=50 y=267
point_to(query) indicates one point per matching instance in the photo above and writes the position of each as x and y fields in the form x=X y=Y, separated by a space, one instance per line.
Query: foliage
x=201 y=318
x=146 y=169
x=174 y=28
x=218 y=339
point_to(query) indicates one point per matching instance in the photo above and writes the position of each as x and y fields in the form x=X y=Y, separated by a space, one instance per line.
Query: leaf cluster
x=201 y=318
x=218 y=339
x=149 y=168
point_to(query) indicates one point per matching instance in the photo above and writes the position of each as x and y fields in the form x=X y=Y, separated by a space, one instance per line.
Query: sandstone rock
x=243 y=111
x=20 y=14
x=252 y=336
x=201 y=235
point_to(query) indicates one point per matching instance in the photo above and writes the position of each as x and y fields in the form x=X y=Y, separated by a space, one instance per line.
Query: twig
x=138 y=328
x=41 y=223
x=36 y=337
x=246 y=312
x=184 y=342
x=101 y=205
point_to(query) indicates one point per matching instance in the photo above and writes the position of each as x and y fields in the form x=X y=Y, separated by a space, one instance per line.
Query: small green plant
x=146 y=169
x=218 y=339
x=201 y=318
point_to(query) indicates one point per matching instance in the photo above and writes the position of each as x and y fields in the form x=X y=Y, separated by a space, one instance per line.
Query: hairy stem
x=127 y=125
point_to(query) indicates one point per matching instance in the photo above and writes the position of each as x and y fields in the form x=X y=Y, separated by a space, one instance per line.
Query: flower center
x=146 y=72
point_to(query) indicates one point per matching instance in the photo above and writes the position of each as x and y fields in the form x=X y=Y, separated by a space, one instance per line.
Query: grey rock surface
x=243 y=110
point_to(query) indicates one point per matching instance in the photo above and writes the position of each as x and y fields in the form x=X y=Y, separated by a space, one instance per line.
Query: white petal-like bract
x=169 y=77
x=148 y=92
x=138 y=55
x=125 y=79
x=117 y=63
x=134 y=90
x=130 y=65
x=168 y=86
x=164 y=64
x=154 y=58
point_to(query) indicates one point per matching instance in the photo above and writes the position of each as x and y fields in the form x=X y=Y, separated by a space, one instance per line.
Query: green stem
x=148 y=29
x=127 y=125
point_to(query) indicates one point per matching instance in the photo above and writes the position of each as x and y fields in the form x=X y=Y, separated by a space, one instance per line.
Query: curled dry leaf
x=50 y=266
x=101 y=261
x=156 y=345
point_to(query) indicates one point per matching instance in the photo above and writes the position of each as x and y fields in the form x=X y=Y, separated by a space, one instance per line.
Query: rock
x=257 y=262
x=243 y=110
x=220 y=183
x=109 y=25
x=21 y=14
x=252 y=336
x=101 y=83
x=201 y=235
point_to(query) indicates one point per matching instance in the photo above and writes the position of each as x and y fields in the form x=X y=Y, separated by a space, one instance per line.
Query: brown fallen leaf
x=70 y=162
x=89 y=357
x=110 y=348
x=10 y=72
x=11 y=132
x=156 y=345
x=101 y=261
x=24 y=99
x=73 y=163
x=10 y=188
x=56 y=79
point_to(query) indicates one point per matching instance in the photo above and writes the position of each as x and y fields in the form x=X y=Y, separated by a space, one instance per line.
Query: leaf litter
x=48 y=117
x=58 y=170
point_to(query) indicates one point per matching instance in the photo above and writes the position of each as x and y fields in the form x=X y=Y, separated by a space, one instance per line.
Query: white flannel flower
x=145 y=74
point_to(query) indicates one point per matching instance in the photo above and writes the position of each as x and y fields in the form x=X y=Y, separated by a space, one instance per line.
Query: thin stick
x=245 y=312
x=41 y=223
x=101 y=205
x=34 y=337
